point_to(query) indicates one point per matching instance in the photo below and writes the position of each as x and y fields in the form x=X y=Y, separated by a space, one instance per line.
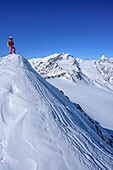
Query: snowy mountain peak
x=57 y=66
x=104 y=57
x=98 y=72
x=11 y=59
x=111 y=59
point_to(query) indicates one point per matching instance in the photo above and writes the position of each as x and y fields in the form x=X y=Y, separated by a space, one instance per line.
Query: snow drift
x=40 y=129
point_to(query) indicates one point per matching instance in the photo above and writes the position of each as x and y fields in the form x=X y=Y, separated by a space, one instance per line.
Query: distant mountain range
x=97 y=72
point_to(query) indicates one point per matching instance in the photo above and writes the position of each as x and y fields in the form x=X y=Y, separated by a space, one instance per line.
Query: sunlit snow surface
x=95 y=101
x=40 y=129
x=86 y=82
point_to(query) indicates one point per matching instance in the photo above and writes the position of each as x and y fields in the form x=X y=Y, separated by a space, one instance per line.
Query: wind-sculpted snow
x=40 y=128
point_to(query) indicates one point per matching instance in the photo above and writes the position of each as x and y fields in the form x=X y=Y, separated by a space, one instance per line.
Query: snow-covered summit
x=58 y=66
x=98 y=72
x=103 y=58
x=41 y=129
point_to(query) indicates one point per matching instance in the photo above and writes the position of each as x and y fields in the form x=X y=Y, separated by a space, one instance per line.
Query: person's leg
x=10 y=49
x=13 y=49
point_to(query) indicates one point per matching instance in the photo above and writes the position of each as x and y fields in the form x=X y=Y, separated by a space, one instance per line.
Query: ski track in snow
x=60 y=131
x=64 y=123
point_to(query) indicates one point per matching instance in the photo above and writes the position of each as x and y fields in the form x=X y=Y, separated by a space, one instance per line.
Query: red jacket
x=10 y=42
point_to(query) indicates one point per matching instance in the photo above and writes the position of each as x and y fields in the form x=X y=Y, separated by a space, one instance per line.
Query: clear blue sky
x=83 y=28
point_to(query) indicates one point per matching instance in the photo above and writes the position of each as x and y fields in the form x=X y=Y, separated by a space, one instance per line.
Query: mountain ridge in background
x=72 y=68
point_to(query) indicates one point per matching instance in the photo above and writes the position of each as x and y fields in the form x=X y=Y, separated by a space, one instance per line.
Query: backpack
x=8 y=43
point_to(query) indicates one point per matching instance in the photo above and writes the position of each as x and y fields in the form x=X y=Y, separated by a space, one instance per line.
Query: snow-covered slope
x=87 y=82
x=100 y=71
x=41 y=129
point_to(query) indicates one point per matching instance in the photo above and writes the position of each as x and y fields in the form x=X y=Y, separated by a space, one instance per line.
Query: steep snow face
x=41 y=129
x=100 y=71
x=105 y=67
x=95 y=101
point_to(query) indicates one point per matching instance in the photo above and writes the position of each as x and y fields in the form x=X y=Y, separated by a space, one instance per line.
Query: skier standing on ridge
x=10 y=43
